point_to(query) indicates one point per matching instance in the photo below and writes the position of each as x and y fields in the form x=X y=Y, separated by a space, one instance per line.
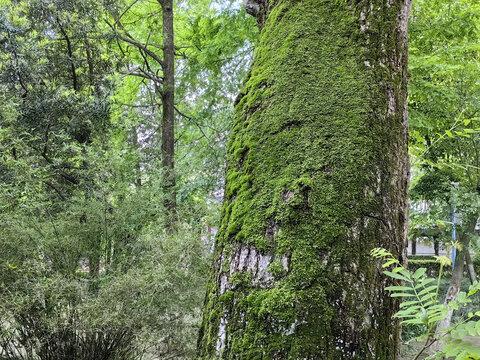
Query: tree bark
x=168 y=116
x=436 y=246
x=457 y=274
x=317 y=176
x=470 y=267
x=138 y=164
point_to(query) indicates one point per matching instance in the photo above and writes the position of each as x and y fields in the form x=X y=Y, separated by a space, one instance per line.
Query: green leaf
x=395 y=276
x=408 y=303
x=398 y=288
x=470 y=327
x=453 y=305
x=401 y=295
x=419 y=273
x=426 y=297
x=462 y=298
x=388 y=263
x=425 y=282
x=430 y=289
x=412 y=321
x=474 y=288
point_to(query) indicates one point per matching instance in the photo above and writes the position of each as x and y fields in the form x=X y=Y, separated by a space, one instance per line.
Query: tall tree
x=190 y=69
x=168 y=114
x=444 y=119
x=160 y=70
x=317 y=175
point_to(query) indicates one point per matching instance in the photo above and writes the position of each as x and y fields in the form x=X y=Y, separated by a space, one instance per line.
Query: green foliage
x=214 y=46
x=435 y=222
x=444 y=112
x=421 y=307
x=85 y=265
x=443 y=92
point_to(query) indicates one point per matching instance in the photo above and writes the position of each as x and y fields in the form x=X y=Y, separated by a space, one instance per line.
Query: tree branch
x=144 y=75
x=70 y=55
x=66 y=176
x=57 y=190
x=130 y=40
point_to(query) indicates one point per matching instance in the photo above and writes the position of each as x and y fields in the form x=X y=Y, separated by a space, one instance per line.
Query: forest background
x=108 y=206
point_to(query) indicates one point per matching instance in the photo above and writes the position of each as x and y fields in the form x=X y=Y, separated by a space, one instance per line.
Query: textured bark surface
x=168 y=116
x=470 y=267
x=317 y=176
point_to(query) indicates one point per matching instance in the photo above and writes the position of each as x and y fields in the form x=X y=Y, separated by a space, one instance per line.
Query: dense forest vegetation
x=115 y=120
x=84 y=237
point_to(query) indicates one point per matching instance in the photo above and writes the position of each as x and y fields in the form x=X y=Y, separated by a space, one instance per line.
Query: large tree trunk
x=317 y=176
x=168 y=116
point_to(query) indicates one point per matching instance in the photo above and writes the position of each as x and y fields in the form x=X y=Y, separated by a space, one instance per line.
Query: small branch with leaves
x=420 y=306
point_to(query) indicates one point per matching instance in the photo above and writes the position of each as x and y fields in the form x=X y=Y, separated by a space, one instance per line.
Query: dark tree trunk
x=168 y=116
x=317 y=176
x=436 y=246
x=138 y=148
x=414 y=246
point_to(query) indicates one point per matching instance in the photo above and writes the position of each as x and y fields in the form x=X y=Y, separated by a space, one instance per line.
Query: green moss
x=311 y=136
x=227 y=297
x=240 y=279
x=277 y=270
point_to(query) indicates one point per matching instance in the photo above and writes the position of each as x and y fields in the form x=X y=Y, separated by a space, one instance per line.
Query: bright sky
x=225 y=4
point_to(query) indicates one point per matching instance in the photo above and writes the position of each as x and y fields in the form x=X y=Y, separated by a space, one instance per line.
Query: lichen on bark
x=317 y=176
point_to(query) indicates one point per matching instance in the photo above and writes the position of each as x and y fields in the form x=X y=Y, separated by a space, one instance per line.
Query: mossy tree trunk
x=317 y=176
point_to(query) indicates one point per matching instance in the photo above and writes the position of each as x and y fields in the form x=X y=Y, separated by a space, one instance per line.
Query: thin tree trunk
x=454 y=288
x=414 y=246
x=317 y=176
x=91 y=71
x=70 y=56
x=470 y=267
x=138 y=165
x=457 y=274
x=168 y=116
x=167 y=92
x=436 y=246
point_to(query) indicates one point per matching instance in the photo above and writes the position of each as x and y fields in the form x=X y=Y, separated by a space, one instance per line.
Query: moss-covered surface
x=316 y=178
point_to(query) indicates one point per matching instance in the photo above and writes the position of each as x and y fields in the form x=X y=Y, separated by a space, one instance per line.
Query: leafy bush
x=421 y=307
x=153 y=307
